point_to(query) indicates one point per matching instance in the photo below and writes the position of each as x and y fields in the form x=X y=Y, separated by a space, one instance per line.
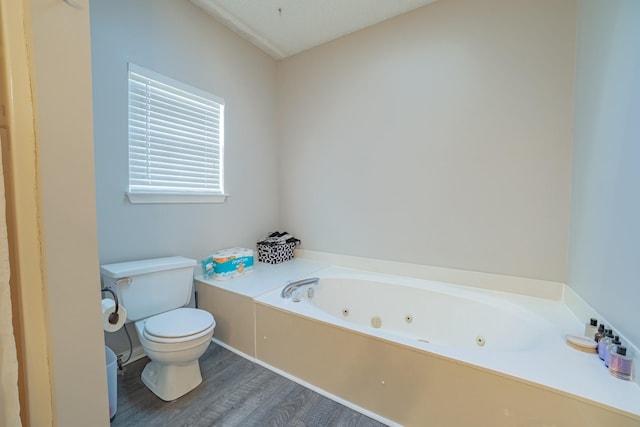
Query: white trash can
x=112 y=381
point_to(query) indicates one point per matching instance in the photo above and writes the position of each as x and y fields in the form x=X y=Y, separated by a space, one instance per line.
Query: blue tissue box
x=230 y=263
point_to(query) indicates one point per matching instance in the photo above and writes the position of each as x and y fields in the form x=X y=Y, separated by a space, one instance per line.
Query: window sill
x=139 y=198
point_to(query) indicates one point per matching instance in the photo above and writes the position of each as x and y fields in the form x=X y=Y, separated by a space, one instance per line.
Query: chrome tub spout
x=288 y=290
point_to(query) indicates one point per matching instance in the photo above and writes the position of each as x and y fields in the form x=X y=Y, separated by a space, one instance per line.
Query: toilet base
x=169 y=382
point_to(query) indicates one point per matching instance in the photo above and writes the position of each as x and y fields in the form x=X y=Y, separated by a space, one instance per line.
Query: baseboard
x=233 y=350
x=136 y=354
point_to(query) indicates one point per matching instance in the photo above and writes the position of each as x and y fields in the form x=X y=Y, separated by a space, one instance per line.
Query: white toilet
x=154 y=292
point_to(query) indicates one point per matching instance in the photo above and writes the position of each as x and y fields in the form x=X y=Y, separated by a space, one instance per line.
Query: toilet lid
x=181 y=322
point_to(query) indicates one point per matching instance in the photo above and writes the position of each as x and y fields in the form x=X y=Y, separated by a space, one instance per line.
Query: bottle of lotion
x=620 y=365
x=600 y=333
x=610 y=349
x=602 y=344
x=591 y=328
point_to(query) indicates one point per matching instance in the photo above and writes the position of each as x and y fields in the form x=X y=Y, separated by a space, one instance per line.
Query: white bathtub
x=520 y=336
x=437 y=314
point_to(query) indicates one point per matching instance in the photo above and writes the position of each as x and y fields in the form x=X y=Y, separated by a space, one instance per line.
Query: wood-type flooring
x=234 y=392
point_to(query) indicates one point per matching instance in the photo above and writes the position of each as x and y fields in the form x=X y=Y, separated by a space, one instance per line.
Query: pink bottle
x=620 y=364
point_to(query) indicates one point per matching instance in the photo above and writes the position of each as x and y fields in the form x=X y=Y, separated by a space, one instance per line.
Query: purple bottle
x=611 y=348
x=602 y=344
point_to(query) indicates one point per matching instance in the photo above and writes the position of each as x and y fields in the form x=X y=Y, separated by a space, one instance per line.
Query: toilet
x=155 y=293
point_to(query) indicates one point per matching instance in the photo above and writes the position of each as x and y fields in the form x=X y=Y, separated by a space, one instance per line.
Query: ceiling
x=283 y=28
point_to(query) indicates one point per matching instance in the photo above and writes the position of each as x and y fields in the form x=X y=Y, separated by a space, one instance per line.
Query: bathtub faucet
x=288 y=290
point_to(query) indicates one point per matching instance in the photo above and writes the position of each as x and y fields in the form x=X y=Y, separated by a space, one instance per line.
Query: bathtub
x=395 y=345
x=435 y=314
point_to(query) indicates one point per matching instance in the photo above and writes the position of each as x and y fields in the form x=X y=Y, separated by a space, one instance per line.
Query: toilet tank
x=152 y=286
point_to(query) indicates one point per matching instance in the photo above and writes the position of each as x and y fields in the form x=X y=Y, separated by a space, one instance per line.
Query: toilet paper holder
x=113 y=317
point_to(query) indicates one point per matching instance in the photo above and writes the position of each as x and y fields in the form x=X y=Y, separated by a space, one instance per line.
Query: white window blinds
x=176 y=137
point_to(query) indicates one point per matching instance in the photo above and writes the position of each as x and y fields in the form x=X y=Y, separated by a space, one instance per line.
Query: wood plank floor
x=234 y=392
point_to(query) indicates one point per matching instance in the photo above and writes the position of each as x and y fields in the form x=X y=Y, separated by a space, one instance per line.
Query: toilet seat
x=179 y=325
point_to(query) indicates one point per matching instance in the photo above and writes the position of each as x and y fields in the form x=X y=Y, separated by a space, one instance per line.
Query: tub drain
x=408 y=318
x=345 y=312
x=376 y=321
x=480 y=340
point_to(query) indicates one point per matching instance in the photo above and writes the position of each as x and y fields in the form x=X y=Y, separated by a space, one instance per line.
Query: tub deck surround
x=412 y=387
x=232 y=301
x=543 y=360
x=541 y=366
x=265 y=277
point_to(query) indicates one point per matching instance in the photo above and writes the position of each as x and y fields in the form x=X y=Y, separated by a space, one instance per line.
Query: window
x=176 y=141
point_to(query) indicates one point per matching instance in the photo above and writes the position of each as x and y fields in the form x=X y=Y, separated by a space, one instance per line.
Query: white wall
x=604 y=267
x=177 y=39
x=441 y=137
